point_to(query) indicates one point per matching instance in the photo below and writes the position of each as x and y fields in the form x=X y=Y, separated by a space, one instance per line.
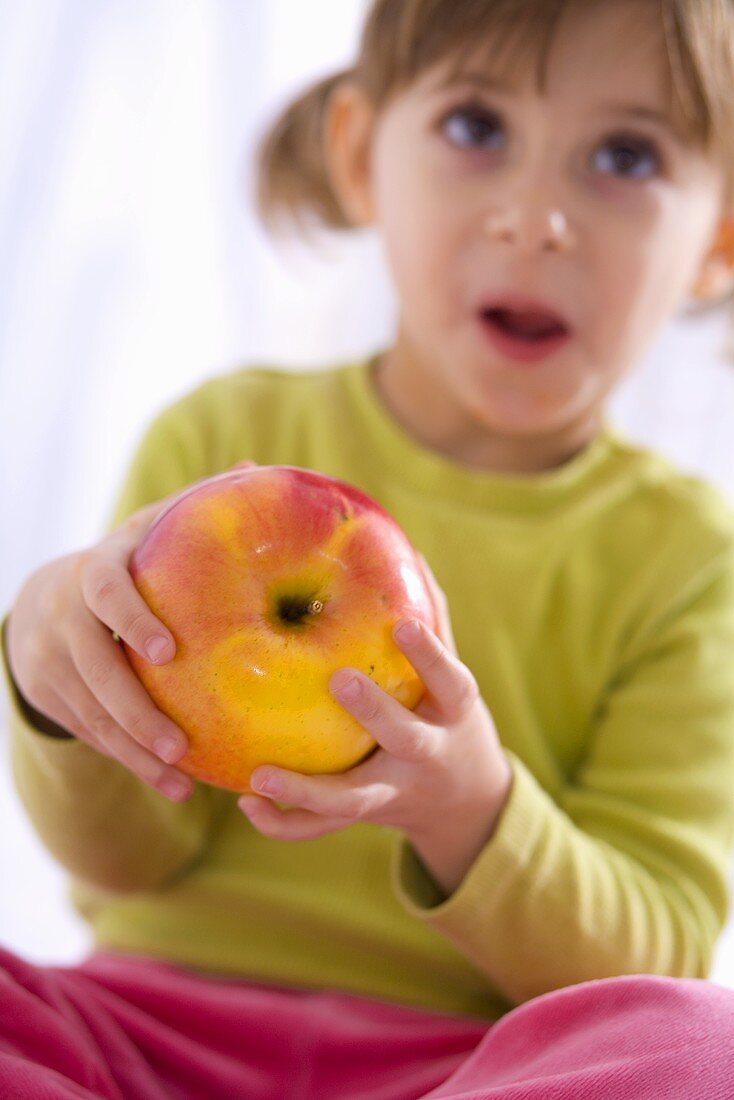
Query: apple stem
x=315 y=607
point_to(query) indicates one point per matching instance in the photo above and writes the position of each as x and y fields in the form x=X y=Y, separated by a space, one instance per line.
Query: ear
x=348 y=129
x=716 y=277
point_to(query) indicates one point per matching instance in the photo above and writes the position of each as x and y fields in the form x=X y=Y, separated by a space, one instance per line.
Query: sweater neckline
x=435 y=473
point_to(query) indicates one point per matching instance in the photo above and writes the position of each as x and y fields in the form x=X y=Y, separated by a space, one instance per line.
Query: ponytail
x=292 y=180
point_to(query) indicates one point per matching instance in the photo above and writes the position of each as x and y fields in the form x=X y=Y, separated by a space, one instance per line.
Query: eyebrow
x=471 y=79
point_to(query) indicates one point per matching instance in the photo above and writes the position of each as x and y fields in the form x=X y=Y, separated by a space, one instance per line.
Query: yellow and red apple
x=270 y=578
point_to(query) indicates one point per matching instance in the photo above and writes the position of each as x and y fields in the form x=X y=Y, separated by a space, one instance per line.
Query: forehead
x=604 y=47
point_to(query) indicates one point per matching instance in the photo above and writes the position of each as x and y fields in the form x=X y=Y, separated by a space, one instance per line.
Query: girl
x=519 y=894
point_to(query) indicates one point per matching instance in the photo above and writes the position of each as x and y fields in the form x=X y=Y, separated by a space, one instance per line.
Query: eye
x=472 y=126
x=630 y=156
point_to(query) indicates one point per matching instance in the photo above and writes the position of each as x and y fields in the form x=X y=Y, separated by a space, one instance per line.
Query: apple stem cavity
x=296 y=611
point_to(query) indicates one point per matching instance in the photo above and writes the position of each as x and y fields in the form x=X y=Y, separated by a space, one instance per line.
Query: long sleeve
x=625 y=870
x=595 y=606
x=103 y=824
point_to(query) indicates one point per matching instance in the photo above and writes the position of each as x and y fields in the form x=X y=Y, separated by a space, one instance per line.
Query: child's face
x=605 y=216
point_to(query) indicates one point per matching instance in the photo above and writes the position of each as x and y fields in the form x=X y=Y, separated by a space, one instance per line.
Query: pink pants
x=126 y=1027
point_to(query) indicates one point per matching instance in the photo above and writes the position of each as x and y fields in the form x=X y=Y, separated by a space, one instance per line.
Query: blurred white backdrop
x=132 y=267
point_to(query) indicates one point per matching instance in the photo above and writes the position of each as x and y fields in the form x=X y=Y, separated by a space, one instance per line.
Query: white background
x=132 y=267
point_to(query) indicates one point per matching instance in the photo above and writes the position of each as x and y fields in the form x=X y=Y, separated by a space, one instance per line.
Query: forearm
x=96 y=817
x=99 y=821
x=545 y=905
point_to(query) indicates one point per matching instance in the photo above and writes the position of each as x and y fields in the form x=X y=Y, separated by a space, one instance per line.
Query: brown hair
x=402 y=39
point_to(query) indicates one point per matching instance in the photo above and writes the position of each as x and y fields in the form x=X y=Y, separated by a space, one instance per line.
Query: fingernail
x=270 y=784
x=156 y=647
x=169 y=749
x=350 y=690
x=177 y=789
x=408 y=632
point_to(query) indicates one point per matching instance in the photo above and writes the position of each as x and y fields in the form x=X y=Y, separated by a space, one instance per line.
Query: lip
x=517 y=349
x=519 y=303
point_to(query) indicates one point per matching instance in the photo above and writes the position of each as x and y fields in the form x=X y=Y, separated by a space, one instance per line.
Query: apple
x=270 y=578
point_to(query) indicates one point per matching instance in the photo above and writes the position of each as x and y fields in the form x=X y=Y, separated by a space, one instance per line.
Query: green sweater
x=594 y=604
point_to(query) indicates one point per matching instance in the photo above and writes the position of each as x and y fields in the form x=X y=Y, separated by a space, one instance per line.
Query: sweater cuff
x=501 y=862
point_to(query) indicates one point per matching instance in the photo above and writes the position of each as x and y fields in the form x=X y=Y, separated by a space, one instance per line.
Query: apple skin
x=270 y=578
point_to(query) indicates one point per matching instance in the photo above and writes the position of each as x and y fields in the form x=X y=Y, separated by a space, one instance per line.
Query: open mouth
x=521 y=336
x=524 y=326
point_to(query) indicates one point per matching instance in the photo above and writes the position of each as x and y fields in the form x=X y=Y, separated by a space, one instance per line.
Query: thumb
x=441 y=604
x=131 y=530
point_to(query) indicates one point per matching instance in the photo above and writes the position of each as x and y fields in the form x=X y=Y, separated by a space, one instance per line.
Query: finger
x=56 y=710
x=118 y=546
x=83 y=716
x=106 y=672
x=326 y=795
x=451 y=684
x=278 y=824
x=392 y=725
x=120 y=543
x=445 y=630
x=110 y=594
x=90 y=723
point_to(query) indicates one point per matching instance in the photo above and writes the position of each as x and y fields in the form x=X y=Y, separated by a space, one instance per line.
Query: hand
x=439 y=774
x=69 y=669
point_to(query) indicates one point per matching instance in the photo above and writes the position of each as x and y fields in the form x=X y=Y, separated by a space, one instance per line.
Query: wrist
x=35 y=718
x=448 y=852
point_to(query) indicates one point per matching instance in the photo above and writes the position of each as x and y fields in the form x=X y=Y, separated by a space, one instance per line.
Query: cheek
x=420 y=238
x=423 y=262
x=642 y=298
x=636 y=277
x=648 y=254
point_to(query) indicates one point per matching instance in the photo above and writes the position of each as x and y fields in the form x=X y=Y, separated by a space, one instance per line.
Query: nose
x=547 y=231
